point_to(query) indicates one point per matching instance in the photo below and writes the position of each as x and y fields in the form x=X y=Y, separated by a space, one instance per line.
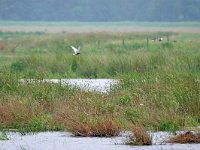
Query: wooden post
x=167 y=36
x=147 y=43
x=123 y=42
x=60 y=82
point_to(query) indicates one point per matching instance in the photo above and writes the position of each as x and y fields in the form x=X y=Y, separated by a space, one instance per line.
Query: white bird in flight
x=76 y=50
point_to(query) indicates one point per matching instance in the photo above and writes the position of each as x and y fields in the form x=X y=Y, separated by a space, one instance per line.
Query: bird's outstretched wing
x=75 y=49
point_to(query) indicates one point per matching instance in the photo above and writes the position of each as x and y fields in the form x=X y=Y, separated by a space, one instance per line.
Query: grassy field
x=159 y=85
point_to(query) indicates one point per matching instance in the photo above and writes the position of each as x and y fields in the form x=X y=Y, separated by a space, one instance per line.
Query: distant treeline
x=100 y=10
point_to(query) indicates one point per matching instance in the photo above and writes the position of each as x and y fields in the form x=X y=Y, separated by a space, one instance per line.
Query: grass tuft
x=187 y=137
x=105 y=128
x=3 y=136
x=139 y=137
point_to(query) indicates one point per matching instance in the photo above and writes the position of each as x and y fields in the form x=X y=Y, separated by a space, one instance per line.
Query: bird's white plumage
x=76 y=50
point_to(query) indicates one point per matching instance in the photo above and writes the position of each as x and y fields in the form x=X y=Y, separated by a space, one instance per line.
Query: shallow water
x=65 y=141
x=98 y=85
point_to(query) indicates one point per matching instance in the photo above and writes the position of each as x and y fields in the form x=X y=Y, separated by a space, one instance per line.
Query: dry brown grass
x=14 y=110
x=20 y=111
x=84 y=115
x=5 y=114
x=104 y=128
x=188 y=137
x=139 y=137
x=83 y=125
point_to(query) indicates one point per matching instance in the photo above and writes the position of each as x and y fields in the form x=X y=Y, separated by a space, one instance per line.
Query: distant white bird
x=160 y=39
x=76 y=50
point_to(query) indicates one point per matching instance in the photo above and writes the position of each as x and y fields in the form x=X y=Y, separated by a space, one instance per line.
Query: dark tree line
x=100 y=10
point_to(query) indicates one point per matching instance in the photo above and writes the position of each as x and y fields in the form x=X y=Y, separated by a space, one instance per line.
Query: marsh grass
x=3 y=136
x=158 y=87
x=87 y=115
x=97 y=63
x=103 y=128
x=139 y=137
x=187 y=137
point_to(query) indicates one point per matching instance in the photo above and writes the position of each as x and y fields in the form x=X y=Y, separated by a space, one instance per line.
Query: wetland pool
x=65 y=141
x=97 y=85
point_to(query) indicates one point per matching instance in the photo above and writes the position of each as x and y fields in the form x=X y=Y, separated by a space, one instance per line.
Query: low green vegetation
x=3 y=136
x=159 y=84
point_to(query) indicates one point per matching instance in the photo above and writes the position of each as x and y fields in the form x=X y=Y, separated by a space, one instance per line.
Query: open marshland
x=158 y=82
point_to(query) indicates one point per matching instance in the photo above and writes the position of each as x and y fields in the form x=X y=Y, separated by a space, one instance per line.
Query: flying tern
x=76 y=50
